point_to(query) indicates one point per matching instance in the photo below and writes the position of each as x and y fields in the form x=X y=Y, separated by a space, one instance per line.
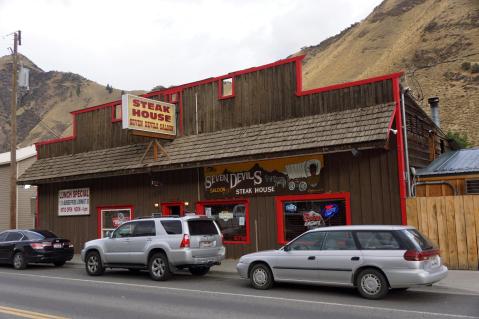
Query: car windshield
x=44 y=233
x=420 y=241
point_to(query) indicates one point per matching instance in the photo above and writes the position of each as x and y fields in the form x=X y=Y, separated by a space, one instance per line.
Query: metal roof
x=22 y=153
x=454 y=162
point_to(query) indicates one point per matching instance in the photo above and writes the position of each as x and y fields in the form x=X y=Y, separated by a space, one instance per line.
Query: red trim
x=278 y=200
x=100 y=208
x=346 y=84
x=220 y=88
x=200 y=209
x=400 y=146
x=166 y=212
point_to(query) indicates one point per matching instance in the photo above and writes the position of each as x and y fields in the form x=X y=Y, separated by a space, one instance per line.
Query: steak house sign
x=141 y=114
x=272 y=177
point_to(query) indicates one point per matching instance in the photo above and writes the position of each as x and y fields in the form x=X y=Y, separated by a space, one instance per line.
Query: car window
x=309 y=241
x=377 y=240
x=3 y=236
x=31 y=235
x=419 y=241
x=45 y=233
x=339 y=240
x=14 y=236
x=202 y=227
x=125 y=230
x=172 y=227
x=144 y=228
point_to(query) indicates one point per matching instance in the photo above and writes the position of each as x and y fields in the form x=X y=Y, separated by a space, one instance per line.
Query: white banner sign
x=74 y=202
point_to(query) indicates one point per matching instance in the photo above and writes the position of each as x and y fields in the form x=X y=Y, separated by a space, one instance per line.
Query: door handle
x=355 y=258
x=311 y=258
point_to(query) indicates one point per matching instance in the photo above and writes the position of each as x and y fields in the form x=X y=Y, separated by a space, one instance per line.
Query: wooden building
x=253 y=150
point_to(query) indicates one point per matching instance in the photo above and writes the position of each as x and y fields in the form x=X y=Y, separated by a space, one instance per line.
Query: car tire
x=19 y=261
x=261 y=277
x=199 y=271
x=59 y=263
x=158 y=267
x=93 y=264
x=372 y=284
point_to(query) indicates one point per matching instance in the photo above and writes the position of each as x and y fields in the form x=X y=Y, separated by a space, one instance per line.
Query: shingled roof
x=364 y=127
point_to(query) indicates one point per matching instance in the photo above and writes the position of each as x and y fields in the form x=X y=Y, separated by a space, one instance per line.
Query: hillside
x=428 y=39
x=52 y=96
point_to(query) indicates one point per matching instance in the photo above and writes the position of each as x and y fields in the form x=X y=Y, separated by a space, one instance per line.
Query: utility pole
x=17 y=40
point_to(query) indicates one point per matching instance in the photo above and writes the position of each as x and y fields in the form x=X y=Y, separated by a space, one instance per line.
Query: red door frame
x=100 y=208
x=200 y=209
x=278 y=200
x=165 y=211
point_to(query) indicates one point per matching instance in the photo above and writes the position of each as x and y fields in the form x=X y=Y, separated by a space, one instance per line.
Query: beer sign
x=147 y=115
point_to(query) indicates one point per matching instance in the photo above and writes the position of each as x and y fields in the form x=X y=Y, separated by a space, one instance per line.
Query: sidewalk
x=457 y=280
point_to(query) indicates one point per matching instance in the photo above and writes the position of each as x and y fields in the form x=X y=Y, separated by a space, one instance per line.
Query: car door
x=3 y=247
x=297 y=261
x=339 y=257
x=117 y=247
x=143 y=234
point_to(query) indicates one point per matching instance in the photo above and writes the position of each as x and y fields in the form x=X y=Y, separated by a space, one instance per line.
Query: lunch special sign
x=147 y=115
x=74 y=202
x=269 y=177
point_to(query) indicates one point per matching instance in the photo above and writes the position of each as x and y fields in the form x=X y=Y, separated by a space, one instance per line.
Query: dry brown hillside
x=428 y=39
x=52 y=96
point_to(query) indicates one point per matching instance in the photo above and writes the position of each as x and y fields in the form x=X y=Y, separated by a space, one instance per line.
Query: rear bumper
x=416 y=277
x=49 y=257
x=189 y=257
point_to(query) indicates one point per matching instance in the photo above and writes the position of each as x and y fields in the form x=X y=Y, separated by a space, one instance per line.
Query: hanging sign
x=147 y=115
x=293 y=175
x=74 y=202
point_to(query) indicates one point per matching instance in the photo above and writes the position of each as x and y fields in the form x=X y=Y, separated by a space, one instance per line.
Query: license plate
x=434 y=262
x=57 y=245
x=206 y=244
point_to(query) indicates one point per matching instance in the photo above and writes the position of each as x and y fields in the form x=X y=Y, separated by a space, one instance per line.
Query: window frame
x=114 y=118
x=165 y=208
x=220 y=87
x=279 y=200
x=200 y=209
x=99 y=210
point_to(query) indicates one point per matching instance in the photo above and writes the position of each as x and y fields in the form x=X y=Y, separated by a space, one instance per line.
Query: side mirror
x=286 y=248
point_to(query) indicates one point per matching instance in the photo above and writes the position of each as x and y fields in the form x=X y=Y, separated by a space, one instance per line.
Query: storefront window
x=232 y=218
x=112 y=218
x=297 y=214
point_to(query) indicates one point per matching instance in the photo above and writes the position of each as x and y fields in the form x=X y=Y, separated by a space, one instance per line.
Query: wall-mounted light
x=157 y=205
x=393 y=131
x=27 y=186
x=187 y=203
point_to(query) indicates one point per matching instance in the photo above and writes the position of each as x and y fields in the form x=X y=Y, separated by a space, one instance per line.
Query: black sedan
x=21 y=247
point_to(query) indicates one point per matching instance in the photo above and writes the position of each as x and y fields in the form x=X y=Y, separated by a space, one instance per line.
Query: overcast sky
x=138 y=44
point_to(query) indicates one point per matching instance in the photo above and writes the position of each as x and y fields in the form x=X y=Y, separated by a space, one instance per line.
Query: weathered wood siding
x=371 y=179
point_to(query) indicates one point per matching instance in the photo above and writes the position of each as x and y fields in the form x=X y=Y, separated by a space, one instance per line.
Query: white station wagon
x=374 y=259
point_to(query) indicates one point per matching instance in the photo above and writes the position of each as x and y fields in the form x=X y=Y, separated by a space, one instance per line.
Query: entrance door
x=173 y=209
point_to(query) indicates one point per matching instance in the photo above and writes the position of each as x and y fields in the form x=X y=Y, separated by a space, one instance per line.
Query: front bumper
x=242 y=269
x=419 y=277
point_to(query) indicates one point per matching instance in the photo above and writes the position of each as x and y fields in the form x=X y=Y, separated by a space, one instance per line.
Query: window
x=339 y=240
x=116 y=113
x=30 y=235
x=226 y=88
x=472 y=186
x=309 y=241
x=174 y=98
x=144 y=228
x=3 y=236
x=124 y=231
x=202 y=227
x=420 y=242
x=14 y=236
x=172 y=227
x=232 y=218
x=377 y=240
x=299 y=213
x=173 y=209
x=109 y=218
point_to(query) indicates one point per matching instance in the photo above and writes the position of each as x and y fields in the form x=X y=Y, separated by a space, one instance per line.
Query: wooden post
x=13 y=137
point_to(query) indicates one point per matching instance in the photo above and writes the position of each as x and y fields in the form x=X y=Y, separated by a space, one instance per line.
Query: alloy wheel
x=158 y=267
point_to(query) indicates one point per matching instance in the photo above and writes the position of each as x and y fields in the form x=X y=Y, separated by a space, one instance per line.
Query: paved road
x=50 y=293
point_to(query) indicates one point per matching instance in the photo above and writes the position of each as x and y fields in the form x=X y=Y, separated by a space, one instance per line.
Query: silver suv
x=160 y=245
x=374 y=259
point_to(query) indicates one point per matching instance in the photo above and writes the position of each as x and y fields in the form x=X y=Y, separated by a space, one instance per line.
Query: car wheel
x=261 y=277
x=158 y=267
x=59 y=263
x=19 y=261
x=372 y=284
x=93 y=264
x=199 y=271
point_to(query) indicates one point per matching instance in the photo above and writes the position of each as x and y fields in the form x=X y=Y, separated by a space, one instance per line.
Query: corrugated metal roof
x=22 y=153
x=454 y=162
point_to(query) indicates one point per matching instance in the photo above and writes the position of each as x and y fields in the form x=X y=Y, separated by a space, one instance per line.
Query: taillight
x=222 y=238
x=38 y=246
x=185 y=242
x=414 y=255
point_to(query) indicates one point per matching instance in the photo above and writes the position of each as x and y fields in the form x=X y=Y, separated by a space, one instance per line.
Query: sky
x=139 y=44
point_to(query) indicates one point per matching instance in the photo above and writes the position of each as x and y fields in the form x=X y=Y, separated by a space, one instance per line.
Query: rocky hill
x=44 y=111
x=433 y=41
